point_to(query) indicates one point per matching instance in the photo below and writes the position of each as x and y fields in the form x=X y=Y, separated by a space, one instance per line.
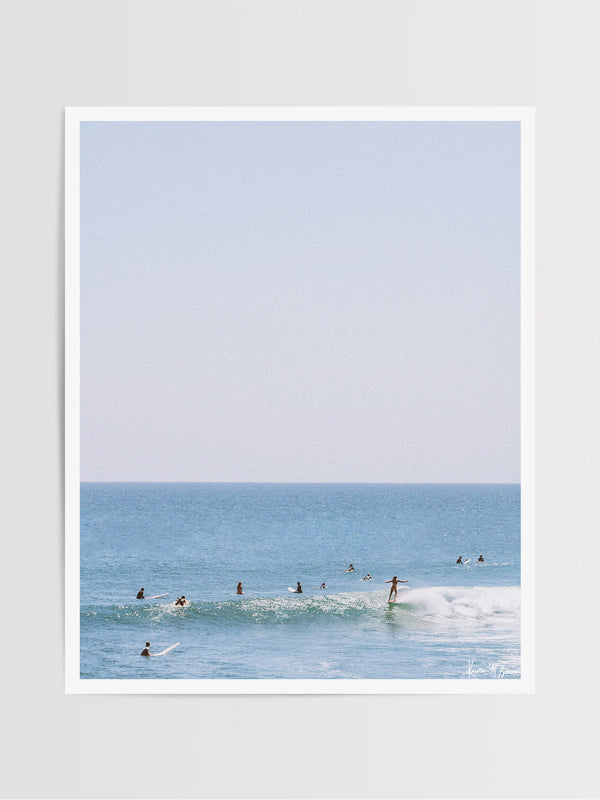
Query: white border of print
x=494 y=685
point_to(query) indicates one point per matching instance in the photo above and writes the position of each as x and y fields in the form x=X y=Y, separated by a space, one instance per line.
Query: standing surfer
x=394 y=587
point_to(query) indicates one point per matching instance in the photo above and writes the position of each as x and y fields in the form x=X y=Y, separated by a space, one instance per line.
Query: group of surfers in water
x=181 y=601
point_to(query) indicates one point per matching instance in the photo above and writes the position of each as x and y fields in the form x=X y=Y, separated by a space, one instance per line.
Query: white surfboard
x=293 y=591
x=156 y=596
x=166 y=651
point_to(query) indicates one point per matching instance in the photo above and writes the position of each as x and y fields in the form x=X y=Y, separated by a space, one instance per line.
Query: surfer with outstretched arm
x=394 y=587
x=146 y=650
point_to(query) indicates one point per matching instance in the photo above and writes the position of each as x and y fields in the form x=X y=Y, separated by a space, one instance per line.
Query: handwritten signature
x=494 y=670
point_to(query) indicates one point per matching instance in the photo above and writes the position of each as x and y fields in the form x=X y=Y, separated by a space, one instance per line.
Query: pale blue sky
x=300 y=301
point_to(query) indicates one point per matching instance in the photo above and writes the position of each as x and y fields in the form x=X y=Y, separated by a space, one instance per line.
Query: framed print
x=299 y=400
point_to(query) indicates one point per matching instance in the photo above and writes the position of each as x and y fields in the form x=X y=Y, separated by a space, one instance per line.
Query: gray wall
x=55 y=54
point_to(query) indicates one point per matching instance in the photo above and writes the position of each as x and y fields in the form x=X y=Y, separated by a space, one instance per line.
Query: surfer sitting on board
x=298 y=588
x=140 y=594
x=239 y=589
x=459 y=560
x=146 y=650
x=394 y=587
x=481 y=559
x=350 y=569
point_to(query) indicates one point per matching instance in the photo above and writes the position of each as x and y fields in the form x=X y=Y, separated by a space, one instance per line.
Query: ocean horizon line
x=308 y=483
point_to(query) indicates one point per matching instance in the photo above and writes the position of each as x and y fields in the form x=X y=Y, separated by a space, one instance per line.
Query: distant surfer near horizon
x=481 y=559
x=140 y=594
x=350 y=569
x=459 y=560
x=394 y=587
x=367 y=578
x=298 y=588
x=239 y=589
x=146 y=650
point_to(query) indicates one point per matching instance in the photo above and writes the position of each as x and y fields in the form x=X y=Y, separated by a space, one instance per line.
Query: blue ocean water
x=452 y=621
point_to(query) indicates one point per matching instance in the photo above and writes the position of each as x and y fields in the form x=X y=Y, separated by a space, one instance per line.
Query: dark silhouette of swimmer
x=146 y=650
x=322 y=586
x=350 y=569
x=298 y=589
x=140 y=594
x=481 y=558
x=459 y=560
x=181 y=601
x=239 y=589
x=394 y=587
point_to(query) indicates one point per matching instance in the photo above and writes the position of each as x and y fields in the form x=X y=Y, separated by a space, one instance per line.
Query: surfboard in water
x=156 y=596
x=162 y=653
x=293 y=591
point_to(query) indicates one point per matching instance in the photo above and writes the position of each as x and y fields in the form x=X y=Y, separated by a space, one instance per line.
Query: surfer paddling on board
x=140 y=594
x=146 y=650
x=181 y=601
x=239 y=589
x=350 y=569
x=367 y=578
x=394 y=587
